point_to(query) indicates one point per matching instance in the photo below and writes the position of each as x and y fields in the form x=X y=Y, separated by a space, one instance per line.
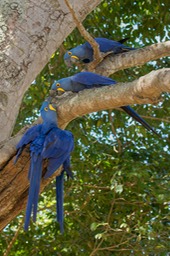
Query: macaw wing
x=90 y=79
x=54 y=164
x=57 y=142
x=105 y=45
x=27 y=138
x=57 y=147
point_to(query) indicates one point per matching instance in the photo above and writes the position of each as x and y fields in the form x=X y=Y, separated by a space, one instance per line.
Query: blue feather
x=46 y=141
x=27 y=138
x=60 y=192
x=138 y=118
x=60 y=200
x=91 y=79
x=35 y=180
x=107 y=45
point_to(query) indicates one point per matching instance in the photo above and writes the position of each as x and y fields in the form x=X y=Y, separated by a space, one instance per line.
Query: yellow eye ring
x=70 y=53
x=46 y=109
x=57 y=84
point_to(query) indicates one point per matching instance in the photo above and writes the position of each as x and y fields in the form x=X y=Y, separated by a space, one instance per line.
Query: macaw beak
x=74 y=58
x=60 y=91
x=51 y=107
x=71 y=60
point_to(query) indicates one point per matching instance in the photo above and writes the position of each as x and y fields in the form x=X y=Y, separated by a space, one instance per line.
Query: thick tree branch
x=146 y=89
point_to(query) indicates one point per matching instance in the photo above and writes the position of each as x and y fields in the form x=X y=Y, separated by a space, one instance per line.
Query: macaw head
x=48 y=111
x=78 y=54
x=62 y=85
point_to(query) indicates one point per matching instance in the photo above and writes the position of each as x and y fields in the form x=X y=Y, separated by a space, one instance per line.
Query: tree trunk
x=30 y=32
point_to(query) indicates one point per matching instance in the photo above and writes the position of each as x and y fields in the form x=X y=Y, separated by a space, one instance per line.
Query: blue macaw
x=88 y=80
x=46 y=141
x=84 y=52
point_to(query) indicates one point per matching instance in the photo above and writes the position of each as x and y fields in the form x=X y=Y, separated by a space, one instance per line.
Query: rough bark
x=146 y=89
x=30 y=32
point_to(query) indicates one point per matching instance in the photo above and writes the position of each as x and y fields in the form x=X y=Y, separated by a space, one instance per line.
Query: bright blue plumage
x=46 y=141
x=91 y=79
x=88 y=80
x=84 y=52
x=60 y=201
x=81 y=81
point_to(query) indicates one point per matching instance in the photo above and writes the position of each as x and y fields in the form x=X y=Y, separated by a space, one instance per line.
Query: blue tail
x=60 y=200
x=60 y=192
x=35 y=180
x=133 y=114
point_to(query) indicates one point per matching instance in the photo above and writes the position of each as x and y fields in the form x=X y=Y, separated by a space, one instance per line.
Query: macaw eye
x=46 y=109
x=57 y=84
x=70 y=53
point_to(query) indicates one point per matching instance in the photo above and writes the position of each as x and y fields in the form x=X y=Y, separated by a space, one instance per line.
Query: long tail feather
x=60 y=200
x=35 y=180
x=133 y=114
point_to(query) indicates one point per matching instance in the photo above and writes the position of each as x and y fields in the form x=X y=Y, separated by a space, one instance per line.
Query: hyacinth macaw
x=88 y=80
x=84 y=52
x=46 y=141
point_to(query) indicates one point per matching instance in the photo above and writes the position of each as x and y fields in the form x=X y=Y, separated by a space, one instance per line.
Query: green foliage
x=117 y=203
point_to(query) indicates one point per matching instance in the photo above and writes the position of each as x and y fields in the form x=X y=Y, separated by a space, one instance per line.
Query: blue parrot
x=46 y=141
x=88 y=80
x=84 y=52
